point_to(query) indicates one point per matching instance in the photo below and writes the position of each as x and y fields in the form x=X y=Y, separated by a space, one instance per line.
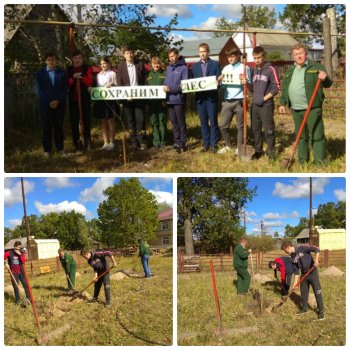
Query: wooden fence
x=224 y=262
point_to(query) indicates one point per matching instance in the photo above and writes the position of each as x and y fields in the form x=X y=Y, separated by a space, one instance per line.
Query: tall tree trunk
x=327 y=45
x=188 y=237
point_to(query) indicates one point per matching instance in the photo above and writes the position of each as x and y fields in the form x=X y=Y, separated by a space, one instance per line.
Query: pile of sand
x=262 y=278
x=332 y=271
x=118 y=276
x=8 y=290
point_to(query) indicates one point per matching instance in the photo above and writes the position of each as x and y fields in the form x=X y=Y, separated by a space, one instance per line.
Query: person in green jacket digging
x=240 y=264
x=298 y=84
x=70 y=267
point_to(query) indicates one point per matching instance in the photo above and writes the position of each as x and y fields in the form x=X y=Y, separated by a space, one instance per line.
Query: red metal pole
x=215 y=292
x=31 y=298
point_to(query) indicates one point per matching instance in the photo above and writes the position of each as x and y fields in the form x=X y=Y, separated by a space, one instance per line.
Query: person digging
x=99 y=263
x=285 y=266
x=240 y=264
x=302 y=258
x=70 y=268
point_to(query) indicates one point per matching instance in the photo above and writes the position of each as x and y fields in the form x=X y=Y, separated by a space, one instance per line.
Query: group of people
x=15 y=259
x=299 y=262
x=53 y=83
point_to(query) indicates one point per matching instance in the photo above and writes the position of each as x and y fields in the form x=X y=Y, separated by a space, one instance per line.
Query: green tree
x=293 y=231
x=163 y=206
x=256 y=17
x=34 y=227
x=261 y=243
x=128 y=213
x=308 y=18
x=209 y=211
x=331 y=215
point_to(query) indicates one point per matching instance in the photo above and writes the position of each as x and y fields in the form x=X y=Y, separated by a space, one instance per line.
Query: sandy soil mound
x=332 y=271
x=262 y=278
x=118 y=276
x=8 y=290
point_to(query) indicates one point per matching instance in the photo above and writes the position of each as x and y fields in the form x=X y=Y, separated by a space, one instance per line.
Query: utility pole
x=26 y=220
x=262 y=228
x=327 y=45
x=334 y=39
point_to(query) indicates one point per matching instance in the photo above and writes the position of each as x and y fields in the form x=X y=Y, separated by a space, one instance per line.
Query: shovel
x=256 y=294
x=70 y=282
x=16 y=284
x=285 y=298
x=81 y=120
x=80 y=294
x=286 y=163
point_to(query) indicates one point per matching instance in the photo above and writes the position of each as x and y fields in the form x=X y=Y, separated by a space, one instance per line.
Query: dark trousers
x=135 y=116
x=228 y=110
x=314 y=130
x=24 y=284
x=243 y=280
x=107 y=286
x=177 y=118
x=52 y=120
x=208 y=116
x=287 y=283
x=75 y=119
x=313 y=280
x=262 y=118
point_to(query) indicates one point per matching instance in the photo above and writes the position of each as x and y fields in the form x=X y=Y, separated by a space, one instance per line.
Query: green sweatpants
x=314 y=130
x=71 y=274
x=243 y=280
x=159 y=129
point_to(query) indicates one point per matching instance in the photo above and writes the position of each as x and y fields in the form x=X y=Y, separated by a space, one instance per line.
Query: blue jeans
x=24 y=284
x=146 y=269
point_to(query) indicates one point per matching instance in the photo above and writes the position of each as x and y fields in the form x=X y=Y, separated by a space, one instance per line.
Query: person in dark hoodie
x=265 y=86
x=285 y=266
x=302 y=258
x=98 y=261
x=176 y=71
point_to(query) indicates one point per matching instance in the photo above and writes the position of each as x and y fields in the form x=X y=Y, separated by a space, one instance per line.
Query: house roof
x=190 y=48
x=303 y=234
x=165 y=215
x=279 y=40
x=11 y=243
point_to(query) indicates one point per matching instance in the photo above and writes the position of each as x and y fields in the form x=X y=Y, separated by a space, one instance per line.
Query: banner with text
x=199 y=84
x=128 y=92
x=231 y=79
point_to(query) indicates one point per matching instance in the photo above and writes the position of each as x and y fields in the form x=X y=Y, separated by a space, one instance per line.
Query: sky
x=200 y=16
x=282 y=201
x=57 y=194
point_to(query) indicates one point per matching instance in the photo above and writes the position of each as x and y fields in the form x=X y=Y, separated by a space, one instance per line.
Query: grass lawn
x=23 y=153
x=242 y=321
x=142 y=306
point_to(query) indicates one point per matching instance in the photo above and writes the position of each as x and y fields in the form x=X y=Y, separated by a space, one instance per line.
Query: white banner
x=199 y=84
x=231 y=79
x=128 y=92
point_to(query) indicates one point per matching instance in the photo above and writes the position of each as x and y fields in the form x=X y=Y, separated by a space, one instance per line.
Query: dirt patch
x=118 y=276
x=8 y=290
x=332 y=271
x=262 y=278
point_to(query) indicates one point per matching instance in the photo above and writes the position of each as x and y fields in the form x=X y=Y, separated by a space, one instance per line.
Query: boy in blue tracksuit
x=207 y=101
x=176 y=71
x=265 y=86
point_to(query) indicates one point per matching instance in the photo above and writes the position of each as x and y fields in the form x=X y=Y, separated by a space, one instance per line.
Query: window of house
x=164 y=225
x=166 y=240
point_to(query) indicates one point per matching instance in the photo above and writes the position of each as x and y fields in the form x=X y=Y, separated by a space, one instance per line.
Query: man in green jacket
x=240 y=264
x=70 y=267
x=297 y=87
x=144 y=254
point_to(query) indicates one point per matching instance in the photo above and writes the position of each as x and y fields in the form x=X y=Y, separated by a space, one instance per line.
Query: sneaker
x=320 y=316
x=91 y=302
x=176 y=147
x=302 y=312
x=105 y=146
x=143 y=147
x=46 y=154
x=108 y=304
x=204 y=149
x=224 y=150
x=110 y=146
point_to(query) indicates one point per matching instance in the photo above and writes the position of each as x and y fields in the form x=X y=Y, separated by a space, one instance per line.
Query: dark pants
x=243 y=280
x=208 y=115
x=24 y=284
x=158 y=121
x=313 y=280
x=135 y=116
x=314 y=130
x=71 y=275
x=228 y=110
x=75 y=119
x=262 y=118
x=177 y=118
x=52 y=120
x=107 y=286
x=287 y=283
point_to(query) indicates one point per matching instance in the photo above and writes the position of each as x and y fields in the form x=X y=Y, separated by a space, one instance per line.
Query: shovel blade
x=246 y=152
x=286 y=164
